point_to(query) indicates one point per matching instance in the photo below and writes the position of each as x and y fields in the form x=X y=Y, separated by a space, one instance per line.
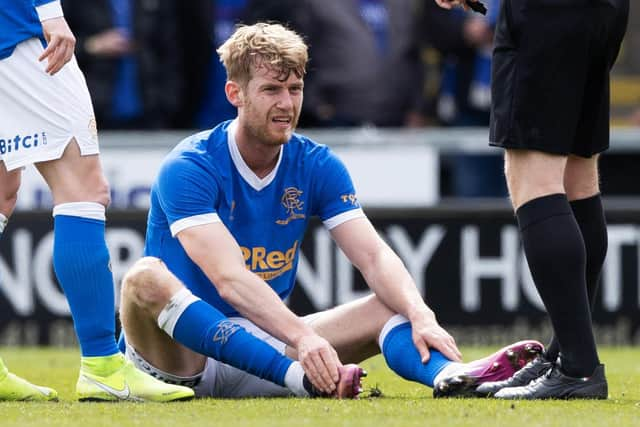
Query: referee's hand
x=60 y=44
x=448 y=4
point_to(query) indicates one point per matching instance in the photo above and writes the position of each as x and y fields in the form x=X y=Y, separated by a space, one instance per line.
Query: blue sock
x=122 y=343
x=403 y=357
x=81 y=263
x=207 y=331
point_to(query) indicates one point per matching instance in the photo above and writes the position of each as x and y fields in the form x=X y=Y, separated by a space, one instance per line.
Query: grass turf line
x=402 y=404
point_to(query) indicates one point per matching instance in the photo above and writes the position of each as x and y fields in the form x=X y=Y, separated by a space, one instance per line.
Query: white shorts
x=219 y=379
x=41 y=113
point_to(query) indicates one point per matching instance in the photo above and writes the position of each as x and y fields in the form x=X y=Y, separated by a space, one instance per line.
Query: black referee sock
x=589 y=215
x=556 y=255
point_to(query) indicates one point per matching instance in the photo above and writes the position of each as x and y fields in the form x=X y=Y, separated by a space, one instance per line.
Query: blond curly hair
x=263 y=45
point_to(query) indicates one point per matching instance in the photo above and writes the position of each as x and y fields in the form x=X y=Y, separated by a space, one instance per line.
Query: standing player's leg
x=556 y=255
x=366 y=327
x=9 y=185
x=583 y=193
x=170 y=332
x=572 y=65
x=581 y=182
x=81 y=262
x=11 y=386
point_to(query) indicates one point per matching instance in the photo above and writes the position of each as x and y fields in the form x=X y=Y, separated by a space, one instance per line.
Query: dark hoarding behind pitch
x=467 y=263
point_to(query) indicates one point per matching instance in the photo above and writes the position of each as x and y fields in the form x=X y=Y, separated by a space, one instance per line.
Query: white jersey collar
x=245 y=171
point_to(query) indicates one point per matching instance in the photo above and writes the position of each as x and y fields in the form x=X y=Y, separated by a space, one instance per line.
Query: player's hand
x=60 y=44
x=449 y=4
x=320 y=362
x=428 y=333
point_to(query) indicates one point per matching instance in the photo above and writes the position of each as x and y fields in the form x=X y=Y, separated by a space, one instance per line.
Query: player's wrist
x=421 y=314
x=300 y=335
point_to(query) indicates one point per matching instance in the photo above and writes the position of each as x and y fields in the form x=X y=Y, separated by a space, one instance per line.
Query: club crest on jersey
x=292 y=203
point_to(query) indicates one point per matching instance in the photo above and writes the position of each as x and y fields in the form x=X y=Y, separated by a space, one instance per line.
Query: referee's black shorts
x=550 y=76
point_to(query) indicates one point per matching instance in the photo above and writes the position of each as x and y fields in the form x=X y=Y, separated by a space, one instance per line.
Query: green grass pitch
x=402 y=403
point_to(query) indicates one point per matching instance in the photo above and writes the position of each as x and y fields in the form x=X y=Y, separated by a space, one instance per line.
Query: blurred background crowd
x=151 y=64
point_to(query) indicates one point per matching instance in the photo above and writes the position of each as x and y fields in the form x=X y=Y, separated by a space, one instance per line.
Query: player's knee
x=144 y=285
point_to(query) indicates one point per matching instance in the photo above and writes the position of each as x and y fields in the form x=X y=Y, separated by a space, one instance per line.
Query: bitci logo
x=20 y=142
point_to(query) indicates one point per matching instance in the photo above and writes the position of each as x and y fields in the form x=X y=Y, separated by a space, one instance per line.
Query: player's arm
x=387 y=276
x=337 y=206
x=60 y=40
x=217 y=253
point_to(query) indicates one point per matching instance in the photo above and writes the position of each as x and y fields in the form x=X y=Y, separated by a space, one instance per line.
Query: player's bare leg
x=581 y=177
x=9 y=185
x=352 y=329
x=533 y=174
x=75 y=178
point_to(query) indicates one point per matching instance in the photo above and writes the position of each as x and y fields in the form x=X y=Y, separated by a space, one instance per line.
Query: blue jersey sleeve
x=187 y=193
x=37 y=3
x=334 y=192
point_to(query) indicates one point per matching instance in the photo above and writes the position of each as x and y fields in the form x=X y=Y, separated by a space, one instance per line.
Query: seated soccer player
x=229 y=209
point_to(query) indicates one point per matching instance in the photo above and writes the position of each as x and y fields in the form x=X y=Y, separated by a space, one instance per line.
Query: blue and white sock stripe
x=179 y=302
x=394 y=321
x=91 y=210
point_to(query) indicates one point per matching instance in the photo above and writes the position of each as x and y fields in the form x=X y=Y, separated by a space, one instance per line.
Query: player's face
x=271 y=107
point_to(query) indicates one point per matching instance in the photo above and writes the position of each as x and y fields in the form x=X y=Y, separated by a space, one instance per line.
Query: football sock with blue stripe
x=205 y=330
x=81 y=264
x=402 y=356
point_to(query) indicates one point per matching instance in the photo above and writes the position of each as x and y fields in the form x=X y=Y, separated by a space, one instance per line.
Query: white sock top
x=179 y=302
x=293 y=379
x=394 y=321
x=91 y=210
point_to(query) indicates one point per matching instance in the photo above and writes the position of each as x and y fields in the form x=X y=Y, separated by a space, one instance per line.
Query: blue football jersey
x=18 y=22
x=204 y=180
